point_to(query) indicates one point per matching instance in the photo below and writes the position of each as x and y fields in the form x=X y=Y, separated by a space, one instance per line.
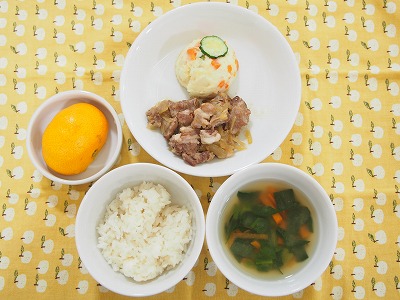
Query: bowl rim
x=59 y=98
x=217 y=205
x=197 y=240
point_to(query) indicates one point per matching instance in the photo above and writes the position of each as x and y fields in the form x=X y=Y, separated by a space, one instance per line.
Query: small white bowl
x=106 y=158
x=91 y=212
x=324 y=223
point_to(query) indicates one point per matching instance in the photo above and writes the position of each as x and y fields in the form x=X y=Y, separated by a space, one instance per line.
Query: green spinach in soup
x=268 y=229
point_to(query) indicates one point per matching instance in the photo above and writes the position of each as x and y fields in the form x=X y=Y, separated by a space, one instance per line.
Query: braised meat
x=198 y=130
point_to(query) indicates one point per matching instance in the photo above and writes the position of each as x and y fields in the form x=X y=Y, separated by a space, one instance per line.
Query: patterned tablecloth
x=346 y=135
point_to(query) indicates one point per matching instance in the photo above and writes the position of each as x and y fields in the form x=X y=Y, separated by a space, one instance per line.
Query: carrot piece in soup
x=277 y=218
x=221 y=84
x=283 y=224
x=256 y=244
x=267 y=198
x=304 y=232
x=229 y=68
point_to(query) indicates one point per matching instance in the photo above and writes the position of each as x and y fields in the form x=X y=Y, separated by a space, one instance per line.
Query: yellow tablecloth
x=346 y=136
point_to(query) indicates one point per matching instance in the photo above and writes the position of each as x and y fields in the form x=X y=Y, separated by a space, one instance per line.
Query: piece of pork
x=198 y=157
x=179 y=106
x=185 y=117
x=202 y=115
x=209 y=136
x=193 y=128
x=186 y=141
x=155 y=114
x=239 y=115
x=168 y=127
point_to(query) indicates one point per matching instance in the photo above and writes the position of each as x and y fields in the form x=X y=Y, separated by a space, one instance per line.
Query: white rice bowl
x=142 y=234
x=93 y=208
x=199 y=77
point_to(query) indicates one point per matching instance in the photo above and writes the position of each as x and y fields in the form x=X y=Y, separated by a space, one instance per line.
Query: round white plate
x=268 y=80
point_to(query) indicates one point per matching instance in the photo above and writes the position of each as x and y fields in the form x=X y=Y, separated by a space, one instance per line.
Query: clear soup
x=268 y=229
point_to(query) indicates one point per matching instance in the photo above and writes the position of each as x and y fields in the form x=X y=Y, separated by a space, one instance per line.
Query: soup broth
x=268 y=229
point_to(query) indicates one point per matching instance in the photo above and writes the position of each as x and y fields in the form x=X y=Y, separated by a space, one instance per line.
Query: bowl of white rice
x=140 y=229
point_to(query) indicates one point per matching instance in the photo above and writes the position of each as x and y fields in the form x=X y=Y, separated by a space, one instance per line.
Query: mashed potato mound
x=203 y=76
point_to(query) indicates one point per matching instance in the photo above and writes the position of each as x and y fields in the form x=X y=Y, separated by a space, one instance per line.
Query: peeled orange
x=73 y=138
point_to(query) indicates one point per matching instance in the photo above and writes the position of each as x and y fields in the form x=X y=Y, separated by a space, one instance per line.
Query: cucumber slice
x=213 y=46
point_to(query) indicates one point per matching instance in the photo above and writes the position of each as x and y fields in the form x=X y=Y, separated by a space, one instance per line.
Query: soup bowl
x=322 y=241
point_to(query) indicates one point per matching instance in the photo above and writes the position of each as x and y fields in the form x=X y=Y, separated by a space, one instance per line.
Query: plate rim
x=215 y=172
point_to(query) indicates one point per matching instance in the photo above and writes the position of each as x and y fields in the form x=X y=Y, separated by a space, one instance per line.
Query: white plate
x=268 y=80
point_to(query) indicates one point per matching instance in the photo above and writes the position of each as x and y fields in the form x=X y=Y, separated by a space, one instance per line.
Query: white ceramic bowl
x=268 y=80
x=91 y=212
x=105 y=159
x=324 y=223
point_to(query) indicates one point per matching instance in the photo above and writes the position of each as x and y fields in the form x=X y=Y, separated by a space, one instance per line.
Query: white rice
x=142 y=233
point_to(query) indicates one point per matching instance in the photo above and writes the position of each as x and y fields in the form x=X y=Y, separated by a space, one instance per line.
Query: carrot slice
x=192 y=52
x=215 y=63
x=237 y=64
x=256 y=244
x=268 y=199
x=283 y=224
x=277 y=218
x=245 y=235
x=221 y=84
x=304 y=232
x=229 y=68
x=265 y=199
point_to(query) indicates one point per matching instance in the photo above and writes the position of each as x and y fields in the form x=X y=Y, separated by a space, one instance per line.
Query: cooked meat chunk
x=190 y=105
x=185 y=117
x=222 y=105
x=202 y=115
x=239 y=115
x=168 y=127
x=198 y=157
x=154 y=114
x=200 y=129
x=186 y=141
x=208 y=137
x=220 y=100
